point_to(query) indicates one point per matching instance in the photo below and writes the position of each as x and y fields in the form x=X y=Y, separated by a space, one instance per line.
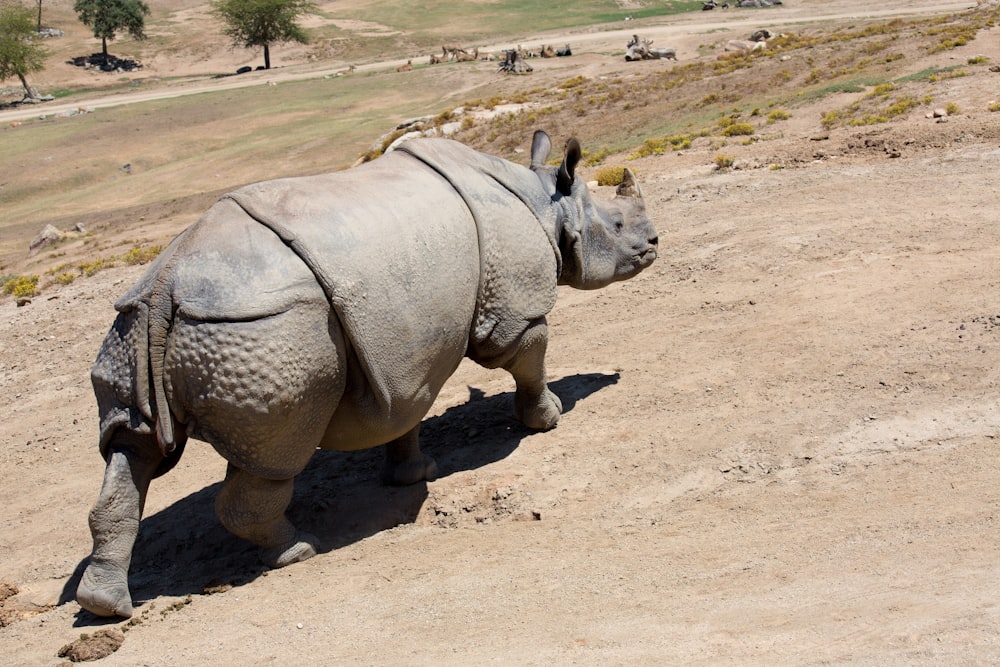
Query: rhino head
x=600 y=243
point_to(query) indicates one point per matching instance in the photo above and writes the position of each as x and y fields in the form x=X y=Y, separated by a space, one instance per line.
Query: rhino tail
x=160 y=317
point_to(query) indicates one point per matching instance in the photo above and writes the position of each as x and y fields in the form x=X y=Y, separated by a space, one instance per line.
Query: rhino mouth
x=645 y=257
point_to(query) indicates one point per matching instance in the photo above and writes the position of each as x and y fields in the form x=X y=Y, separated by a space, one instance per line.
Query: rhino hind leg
x=253 y=507
x=535 y=405
x=114 y=524
x=405 y=463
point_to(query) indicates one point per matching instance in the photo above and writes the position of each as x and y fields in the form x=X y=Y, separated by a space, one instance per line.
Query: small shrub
x=978 y=60
x=139 y=255
x=951 y=108
x=64 y=277
x=610 y=175
x=901 y=106
x=90 y=268
x=831 y=118
x=573 y=83
x=994 y=106
x=21 y=286
x=738 y=130
x=724 y=161
x=594 y=159
x=778 y=114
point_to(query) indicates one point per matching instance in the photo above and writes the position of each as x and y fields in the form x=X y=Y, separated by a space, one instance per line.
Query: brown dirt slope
x=779 y=447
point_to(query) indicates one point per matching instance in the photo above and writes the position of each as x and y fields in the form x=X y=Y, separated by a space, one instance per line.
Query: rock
x=940 y=113
x=93 y=647
x=47 y=237
x=448 y=129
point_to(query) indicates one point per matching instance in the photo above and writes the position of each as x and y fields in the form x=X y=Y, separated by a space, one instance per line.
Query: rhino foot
x=103 y=591
x=303 y=547
x=410 y=472
x=541 y=412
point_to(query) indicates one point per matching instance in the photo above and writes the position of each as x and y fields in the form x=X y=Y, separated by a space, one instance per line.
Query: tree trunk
x=267 y=57
x=39 y=15
x=104 y=49
x=29 y=92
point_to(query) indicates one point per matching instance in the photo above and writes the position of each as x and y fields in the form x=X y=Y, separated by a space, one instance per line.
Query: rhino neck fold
x=517 y=227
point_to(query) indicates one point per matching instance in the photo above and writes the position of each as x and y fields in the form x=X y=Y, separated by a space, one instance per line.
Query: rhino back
x=227 y=267
x=396 y=251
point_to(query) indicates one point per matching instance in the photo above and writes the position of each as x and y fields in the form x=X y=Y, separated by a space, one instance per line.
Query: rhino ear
x=564 y=181
x=629 y=187
x=541 y=146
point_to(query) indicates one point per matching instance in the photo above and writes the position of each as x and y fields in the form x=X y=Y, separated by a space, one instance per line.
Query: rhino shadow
x=184 y=550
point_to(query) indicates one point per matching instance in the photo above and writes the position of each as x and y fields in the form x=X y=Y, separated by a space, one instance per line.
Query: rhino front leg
x=253 y=508
x=534 y=404
x=114 y=523
x=405 y=463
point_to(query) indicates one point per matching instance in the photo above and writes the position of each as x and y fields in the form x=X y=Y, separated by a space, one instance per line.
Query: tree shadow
x=184 y=550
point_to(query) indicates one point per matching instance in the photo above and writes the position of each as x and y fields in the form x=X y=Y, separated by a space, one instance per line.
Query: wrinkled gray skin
x=328 y=311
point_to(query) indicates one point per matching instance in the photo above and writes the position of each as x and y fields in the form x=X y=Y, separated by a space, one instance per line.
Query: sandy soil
x=779 y=447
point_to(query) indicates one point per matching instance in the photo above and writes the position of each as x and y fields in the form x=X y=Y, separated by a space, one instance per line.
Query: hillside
x=778 y=443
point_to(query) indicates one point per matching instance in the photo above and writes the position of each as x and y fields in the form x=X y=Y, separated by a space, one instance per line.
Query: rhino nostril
x=654 y=241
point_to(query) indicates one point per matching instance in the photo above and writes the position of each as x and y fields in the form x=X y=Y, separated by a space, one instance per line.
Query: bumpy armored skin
x=328 y=311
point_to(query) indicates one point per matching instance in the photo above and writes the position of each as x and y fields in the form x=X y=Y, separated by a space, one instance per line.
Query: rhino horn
x=541 y=146
x=629 y=187
x=572 y=155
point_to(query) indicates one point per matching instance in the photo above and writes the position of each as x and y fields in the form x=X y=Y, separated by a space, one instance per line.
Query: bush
x=778 y=114
x=21 y=286
x=610 y=175
x=138 y=255
x=738 y=130
x=724 y=161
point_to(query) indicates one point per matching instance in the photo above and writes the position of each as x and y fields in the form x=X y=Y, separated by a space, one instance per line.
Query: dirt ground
x=779 y=446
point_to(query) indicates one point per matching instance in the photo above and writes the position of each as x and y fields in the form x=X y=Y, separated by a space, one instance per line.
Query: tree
x=20 y=51
x=109 y=17
x=260 y=23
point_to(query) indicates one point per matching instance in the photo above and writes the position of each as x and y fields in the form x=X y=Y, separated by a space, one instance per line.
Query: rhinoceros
x=328 y=311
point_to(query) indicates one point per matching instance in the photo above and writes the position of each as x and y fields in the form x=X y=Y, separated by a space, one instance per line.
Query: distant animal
x=405 y=68
x=327 y=312
x=565 y=51
x=436 y=60
x=346 y=71
x=641 y=49
x=745 y=45
x=465 y=57
x=451 y=51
